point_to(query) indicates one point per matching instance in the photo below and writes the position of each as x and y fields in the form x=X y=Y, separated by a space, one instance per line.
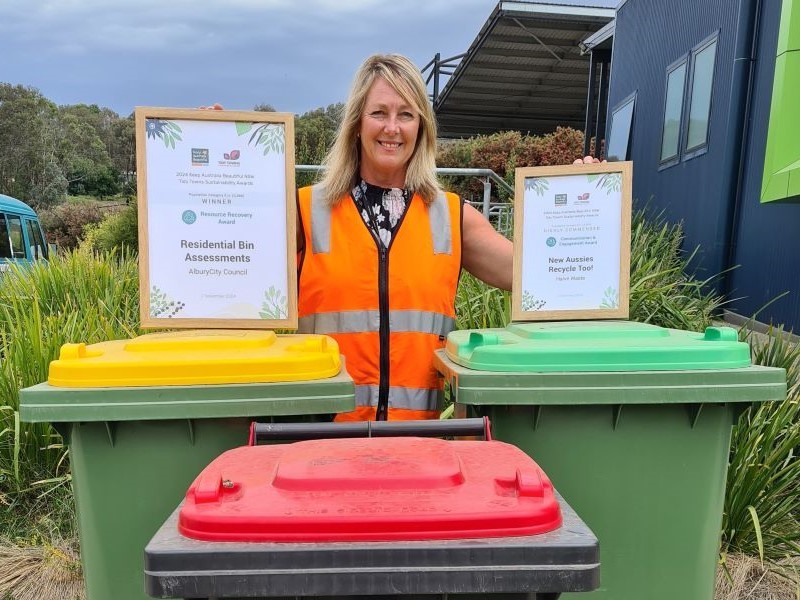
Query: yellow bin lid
x=196 y=357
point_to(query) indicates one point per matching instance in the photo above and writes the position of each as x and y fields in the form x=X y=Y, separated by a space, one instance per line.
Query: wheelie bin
x=143 y=416
x=632 y=422
x=378 y=517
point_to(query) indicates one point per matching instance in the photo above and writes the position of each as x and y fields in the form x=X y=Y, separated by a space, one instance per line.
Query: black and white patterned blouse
x=381 y=208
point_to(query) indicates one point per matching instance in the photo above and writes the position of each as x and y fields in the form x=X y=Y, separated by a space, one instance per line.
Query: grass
x=762 y=517
x=662 y=289
x=745 y=577
x=76 y=297
x=40 y=572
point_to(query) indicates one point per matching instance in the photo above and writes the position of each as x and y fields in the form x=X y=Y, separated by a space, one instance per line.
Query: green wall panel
x=781 y=177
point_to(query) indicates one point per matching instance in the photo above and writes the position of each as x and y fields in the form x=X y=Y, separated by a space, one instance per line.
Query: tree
x=314 y=133
x=30 y=166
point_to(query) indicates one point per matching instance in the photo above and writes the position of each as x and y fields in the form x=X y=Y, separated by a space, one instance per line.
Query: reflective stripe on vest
x=399 y=397
x=321 y=223
x=362 y=321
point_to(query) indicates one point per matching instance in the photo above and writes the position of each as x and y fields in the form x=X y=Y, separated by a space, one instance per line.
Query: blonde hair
x=344 y=158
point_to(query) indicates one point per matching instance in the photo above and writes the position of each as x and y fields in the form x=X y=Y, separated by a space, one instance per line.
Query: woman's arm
x=484 y=252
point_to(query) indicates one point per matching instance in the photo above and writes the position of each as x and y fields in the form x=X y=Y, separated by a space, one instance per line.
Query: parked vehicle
x=21 y=234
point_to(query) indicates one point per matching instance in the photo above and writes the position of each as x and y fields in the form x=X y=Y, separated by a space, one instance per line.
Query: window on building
x=700 y=96
x=687 y=112
x=673 y=108
x=620 y=130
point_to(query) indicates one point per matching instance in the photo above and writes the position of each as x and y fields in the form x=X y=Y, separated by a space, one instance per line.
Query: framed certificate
x=217 y=218
x=572 y=232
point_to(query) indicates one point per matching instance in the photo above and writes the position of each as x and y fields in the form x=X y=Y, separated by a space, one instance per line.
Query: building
x=702 y=98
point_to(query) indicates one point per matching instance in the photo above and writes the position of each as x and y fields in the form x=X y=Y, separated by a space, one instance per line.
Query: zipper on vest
x=382 y=411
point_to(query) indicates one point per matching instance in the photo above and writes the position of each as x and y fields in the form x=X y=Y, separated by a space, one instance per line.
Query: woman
x=382 y=246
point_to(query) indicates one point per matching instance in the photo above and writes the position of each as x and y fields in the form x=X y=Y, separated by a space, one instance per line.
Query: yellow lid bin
x=215 y=356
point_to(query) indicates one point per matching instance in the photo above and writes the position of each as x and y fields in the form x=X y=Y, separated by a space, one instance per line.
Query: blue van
x=21 y=235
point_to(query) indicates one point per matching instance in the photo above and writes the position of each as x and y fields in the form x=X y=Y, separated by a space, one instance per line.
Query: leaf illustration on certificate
x=530 y=302
x=162 y=305
x=537 y=184
x=274 y=305
x=166 y=131
x=610 y=298
x=610 y=182
x=268 y=135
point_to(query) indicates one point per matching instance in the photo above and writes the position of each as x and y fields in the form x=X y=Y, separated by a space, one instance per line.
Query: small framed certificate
x=572 y=232
x=217 y=218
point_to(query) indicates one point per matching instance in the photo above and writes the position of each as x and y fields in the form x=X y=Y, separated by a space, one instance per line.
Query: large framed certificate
x=572 y=232
x=217 y=218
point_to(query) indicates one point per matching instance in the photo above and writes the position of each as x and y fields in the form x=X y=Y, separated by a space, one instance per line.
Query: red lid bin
x=370 y=489
x=372 y=517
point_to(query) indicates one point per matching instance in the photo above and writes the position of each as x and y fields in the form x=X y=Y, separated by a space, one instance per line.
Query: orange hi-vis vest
x=388 y=309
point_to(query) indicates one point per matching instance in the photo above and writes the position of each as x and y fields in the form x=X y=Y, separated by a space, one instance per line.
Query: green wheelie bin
x=632 y=423
x=142 y=417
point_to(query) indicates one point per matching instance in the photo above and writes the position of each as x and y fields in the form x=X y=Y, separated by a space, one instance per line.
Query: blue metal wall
x=768 y=235
x=701 y=192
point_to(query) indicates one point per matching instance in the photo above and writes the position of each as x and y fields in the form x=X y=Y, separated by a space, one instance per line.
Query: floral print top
x=381 y=208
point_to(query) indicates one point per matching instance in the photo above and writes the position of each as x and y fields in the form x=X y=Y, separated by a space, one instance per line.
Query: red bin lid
x=402 y=488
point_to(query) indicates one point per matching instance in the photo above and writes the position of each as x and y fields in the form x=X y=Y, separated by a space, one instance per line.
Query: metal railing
x=499 y=213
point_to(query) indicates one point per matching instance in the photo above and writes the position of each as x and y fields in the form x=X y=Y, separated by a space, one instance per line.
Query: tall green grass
x=663 y=290
x=762 y=506
x=76 y=297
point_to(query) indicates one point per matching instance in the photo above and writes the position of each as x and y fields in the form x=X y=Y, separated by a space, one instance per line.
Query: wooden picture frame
x=572 y=232
x=217 y=218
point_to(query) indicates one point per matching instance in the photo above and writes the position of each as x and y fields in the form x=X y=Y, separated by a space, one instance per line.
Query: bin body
x=640 y=455
x=375 y=517
x=134 y=451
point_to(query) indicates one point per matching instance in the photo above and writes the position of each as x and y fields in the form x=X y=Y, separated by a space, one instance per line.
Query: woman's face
x=389 y=129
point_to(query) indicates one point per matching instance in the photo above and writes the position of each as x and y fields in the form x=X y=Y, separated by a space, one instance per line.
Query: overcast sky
x=294 y=54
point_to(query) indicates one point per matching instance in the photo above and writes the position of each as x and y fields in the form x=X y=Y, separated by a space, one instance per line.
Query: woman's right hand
x=586 y=160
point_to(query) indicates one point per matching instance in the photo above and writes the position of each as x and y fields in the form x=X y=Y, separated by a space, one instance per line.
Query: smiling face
x=389 y=129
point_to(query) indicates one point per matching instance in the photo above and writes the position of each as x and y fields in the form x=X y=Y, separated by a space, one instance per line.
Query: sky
x=296 y=55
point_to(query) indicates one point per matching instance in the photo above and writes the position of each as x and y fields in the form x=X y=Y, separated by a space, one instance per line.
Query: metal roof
x=524 y=71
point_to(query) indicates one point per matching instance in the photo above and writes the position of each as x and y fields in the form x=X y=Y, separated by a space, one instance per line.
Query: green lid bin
x=632 y=423
x=136 y=447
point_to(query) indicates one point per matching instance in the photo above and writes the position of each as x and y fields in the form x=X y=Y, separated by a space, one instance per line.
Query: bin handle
x=262 y=432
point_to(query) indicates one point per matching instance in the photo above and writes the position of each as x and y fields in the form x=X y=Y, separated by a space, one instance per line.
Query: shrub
x=64 y=223
x=561 y=147
x=116 y=231
x=503 y=152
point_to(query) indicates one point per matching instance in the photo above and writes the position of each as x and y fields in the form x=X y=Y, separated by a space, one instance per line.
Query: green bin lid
x=578 y=346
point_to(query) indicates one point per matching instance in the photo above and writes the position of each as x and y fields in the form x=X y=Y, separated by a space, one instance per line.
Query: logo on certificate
x=199 y=157
x=189 y=217
x=561 y=199
x=551 y=241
